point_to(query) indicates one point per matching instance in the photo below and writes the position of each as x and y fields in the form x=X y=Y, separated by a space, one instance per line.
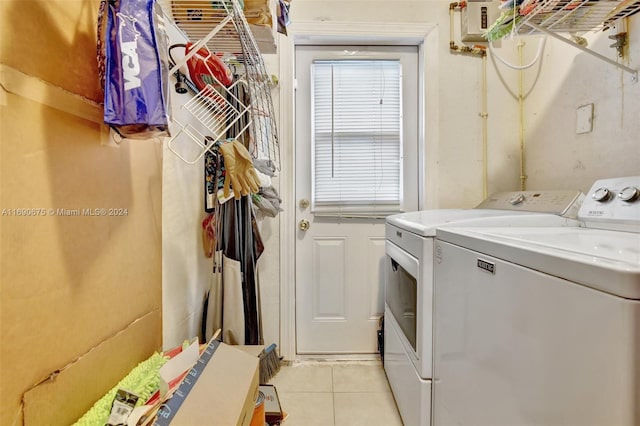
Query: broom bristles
x=269 y=363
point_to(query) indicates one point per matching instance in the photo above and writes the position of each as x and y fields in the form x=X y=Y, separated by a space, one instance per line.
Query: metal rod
x=633 y=72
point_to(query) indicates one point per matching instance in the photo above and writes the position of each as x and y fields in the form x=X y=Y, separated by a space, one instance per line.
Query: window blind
x=356 y=137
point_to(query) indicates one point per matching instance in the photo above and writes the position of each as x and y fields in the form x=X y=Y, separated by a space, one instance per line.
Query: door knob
x=303 y=225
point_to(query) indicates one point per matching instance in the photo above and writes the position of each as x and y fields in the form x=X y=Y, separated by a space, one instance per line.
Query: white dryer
x=409 y=284
x=541 y=326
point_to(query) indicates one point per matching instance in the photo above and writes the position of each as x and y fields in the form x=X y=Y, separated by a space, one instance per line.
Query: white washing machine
x=541 y=326
x=409 y=284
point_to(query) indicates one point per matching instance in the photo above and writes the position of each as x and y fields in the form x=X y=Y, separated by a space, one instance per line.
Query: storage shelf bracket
x=242 y=110
x=633 y=72
x=620 y=42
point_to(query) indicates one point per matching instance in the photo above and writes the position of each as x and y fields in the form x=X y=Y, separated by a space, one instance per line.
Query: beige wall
x=78 y=294
x=54 y=41
x=459 y=143
x=556 y=155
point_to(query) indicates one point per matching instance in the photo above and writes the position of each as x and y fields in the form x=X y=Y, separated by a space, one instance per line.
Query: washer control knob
x=601 y=194
x=516 y=199
x=629 y=194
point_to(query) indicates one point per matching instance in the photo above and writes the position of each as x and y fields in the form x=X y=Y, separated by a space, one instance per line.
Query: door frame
x=423 y=35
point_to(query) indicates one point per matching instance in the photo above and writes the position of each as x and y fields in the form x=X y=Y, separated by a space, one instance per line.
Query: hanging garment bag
x=233 y=330
x=136 y=90
x=242 y=325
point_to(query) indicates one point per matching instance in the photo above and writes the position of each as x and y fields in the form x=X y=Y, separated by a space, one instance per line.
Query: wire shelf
x=572 y=16
x=263 y=133
x=217 y=110
x=222 y=28
x=552 y=17
x=196 y=18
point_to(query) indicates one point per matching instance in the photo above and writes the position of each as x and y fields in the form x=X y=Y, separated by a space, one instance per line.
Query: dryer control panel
x=563 y=203
x=613 y=204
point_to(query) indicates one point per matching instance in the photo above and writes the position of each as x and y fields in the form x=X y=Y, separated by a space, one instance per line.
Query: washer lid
x=424 y=223
x=601 y=259
x=543 y=203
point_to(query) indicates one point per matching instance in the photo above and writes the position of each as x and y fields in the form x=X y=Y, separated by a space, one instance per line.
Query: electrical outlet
x=584 y=119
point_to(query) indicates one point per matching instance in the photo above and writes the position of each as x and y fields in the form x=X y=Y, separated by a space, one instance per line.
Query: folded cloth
x=264 y=206
x=263 y=180
x=265 y=166
x=270 y=193
x=267 y=201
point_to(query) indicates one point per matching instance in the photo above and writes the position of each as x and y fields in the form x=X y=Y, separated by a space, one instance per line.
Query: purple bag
x=136 y=91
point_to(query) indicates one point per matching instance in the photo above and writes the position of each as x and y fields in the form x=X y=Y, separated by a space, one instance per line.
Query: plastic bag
x=136 y=91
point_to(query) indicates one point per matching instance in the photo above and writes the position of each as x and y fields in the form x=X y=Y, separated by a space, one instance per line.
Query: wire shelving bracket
x=632 y=71
x=575 y=17
x=222 y=28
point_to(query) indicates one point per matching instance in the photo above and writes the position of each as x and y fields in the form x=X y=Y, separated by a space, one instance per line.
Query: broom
x=269 y=363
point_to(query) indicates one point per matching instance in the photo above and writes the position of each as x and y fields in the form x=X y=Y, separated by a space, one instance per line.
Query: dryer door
x=401 y=293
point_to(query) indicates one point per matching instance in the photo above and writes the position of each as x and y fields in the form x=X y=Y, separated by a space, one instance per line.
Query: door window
x=356 y=136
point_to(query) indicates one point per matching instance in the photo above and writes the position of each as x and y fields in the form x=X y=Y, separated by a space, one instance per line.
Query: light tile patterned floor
x=336 y=394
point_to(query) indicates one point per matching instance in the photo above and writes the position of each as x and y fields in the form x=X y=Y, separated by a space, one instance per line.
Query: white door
x=340 y=239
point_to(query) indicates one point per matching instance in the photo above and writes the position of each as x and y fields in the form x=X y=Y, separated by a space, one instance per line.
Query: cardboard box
x=254 y=350
x=221 y=390
x=272 y=408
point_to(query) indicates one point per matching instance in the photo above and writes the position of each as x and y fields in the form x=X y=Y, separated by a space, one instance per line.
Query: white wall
x=186 y=271
x=459 y=144
x=557 y=156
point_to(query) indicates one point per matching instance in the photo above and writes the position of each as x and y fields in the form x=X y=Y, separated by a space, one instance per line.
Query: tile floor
x=336 y=394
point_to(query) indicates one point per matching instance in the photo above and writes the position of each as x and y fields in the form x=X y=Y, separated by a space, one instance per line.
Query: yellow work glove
x=230 y=178
x=251 y=182
x=240 y=174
